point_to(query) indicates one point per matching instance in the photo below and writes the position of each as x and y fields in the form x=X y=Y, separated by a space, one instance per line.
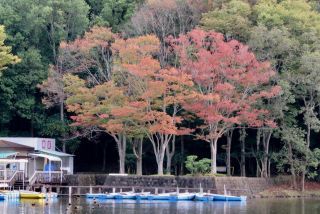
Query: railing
x=10 y=177
x=17 y=176
x=6 y=174
x=46 y=177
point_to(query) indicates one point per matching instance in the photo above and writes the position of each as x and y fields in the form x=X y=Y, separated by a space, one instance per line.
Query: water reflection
x=81 y=205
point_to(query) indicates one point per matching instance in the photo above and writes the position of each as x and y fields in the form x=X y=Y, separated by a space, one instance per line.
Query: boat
x=2 y=197
x=101 y=195
x=163 y=196
x=185 y=196
x=32 y=195
x=229 y=198
x=204 y=197
x=94 y=195
x=10 y=194
x=142 y=195
x=125 y=195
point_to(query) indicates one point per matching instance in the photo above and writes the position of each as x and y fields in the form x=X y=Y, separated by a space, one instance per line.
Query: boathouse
x=28 y=161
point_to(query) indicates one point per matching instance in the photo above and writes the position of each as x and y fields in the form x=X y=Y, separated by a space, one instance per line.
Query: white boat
x=185 y=196
x=204 y=197
x=163 y=196
x=125 y=195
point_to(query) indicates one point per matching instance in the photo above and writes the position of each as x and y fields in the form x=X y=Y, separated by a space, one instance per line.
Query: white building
x=33 y=160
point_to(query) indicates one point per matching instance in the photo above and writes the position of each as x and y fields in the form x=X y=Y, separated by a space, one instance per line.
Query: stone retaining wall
x=234 y=185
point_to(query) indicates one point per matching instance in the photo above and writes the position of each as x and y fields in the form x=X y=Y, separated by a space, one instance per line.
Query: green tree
x=6 y=57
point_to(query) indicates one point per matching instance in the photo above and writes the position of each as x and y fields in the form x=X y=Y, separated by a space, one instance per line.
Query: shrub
x=199 y=167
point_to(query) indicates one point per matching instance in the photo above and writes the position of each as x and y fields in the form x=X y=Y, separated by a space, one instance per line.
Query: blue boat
x=2 y=197
x=125 y=195
x=94 y=195
x=163 y=196
x=203 y=197
x=101 y=195
x=185 y=196
x=229 y=198
x=142 y=196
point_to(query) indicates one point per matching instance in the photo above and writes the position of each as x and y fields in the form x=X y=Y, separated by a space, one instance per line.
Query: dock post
x=132 y=189
x=156 y=191
x=70 y=191
x=58 y=190
x=113 y=190
x=120 y=189
x=78 y=191
x=100 y=190
x=90 y=189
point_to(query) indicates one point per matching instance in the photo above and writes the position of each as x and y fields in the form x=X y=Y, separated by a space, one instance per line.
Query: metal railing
x=9 y=177
x=44 y=177
x=6 y=174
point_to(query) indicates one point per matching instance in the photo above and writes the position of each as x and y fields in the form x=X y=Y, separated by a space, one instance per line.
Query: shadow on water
x=81 y=205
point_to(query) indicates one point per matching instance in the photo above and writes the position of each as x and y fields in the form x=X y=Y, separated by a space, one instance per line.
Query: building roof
x=49 y=157
x=56 y=153
x=7 y=154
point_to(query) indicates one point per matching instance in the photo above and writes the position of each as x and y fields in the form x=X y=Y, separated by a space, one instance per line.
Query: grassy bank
x=312 y=190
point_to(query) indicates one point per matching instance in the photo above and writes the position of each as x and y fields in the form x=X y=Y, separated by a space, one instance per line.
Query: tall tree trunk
x=258 y=172
x=64 y=149
x=169 y=154
x=122 y=146
x=266 y=136
x=159 y=144
x=160 y=159
x=104 y=158
x=182 y=156
x=229 y=141
x=292 y=170
x=213 y=148
x=137 y=150
x=303 y=177
x=243 y=152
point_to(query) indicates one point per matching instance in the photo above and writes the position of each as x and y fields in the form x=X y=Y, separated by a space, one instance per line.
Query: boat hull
x=185 y=197
x=121 y=197
x=203 y=197
x=229 y=198
x=100 y=196
x=162 y=197
x=32 y=195
x=2 y=197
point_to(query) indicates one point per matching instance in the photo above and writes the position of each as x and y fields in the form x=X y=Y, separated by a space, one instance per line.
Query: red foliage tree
x=229 y=83
x=156 y=94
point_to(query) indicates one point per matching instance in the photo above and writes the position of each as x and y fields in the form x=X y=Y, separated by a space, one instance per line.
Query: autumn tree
x=103 y=107
x=164 y=18
x=90 y=56
x=228 y=79
x=158 y=93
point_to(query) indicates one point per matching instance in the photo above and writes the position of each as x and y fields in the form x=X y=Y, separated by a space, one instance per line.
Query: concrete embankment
x=234 y=185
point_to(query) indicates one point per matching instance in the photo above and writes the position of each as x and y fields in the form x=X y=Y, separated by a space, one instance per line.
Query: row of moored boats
x=172 y=196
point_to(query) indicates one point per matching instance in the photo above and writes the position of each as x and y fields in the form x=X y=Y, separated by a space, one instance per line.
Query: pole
x=49 y=170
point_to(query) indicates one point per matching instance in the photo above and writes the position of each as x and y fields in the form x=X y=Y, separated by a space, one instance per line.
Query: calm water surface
x=81 y=205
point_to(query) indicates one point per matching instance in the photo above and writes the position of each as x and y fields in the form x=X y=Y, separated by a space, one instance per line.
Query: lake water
x=81 y=205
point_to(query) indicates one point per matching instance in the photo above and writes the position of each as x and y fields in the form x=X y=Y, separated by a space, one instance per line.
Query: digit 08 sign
x=46 y=144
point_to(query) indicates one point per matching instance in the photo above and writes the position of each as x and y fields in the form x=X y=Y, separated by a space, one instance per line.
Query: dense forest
x=161 y=86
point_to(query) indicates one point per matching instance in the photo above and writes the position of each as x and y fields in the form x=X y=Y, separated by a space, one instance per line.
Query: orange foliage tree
x=103 y=106
x=156 y=94
x=90 y=55
x=229 y=83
